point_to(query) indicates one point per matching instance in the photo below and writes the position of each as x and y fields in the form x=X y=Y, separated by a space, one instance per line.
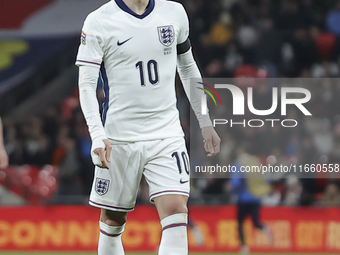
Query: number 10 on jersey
x=152 y=67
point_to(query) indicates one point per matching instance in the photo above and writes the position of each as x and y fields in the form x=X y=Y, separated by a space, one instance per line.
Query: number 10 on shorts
x=185 y=161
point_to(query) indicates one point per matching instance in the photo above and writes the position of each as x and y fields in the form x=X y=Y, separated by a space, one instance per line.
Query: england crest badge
x=102 y=186
x=83 y=38
x=166 y=35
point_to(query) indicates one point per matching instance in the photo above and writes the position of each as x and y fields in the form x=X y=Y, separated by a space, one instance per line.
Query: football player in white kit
x=137 y=45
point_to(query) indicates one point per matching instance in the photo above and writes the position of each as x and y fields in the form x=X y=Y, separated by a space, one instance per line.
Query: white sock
x=110 y=240
x=174 y=235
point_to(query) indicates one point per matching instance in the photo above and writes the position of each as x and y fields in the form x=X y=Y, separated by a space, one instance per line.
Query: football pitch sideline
x=191 y=253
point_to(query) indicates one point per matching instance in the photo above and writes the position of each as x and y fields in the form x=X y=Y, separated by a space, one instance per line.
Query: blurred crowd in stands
x=230 y=38
x=59 y=138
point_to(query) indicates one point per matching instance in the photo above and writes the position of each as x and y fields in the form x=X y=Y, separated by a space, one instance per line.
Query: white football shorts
x=164 y=163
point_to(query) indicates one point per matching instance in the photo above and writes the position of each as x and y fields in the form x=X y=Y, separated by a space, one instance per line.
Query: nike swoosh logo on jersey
x=121 y=43
x=182 y=182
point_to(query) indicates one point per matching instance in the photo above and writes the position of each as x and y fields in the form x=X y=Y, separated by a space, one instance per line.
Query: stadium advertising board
x=70 y=228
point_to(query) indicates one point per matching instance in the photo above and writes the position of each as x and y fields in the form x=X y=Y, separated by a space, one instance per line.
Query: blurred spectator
x=293 y=191
x=291 y=16
x=325 y=42
x=36 y=148
x=331 y=196
x=220 y=33
x=233 y=58
x=273 y=198
x=69 y=169
x=333 y=20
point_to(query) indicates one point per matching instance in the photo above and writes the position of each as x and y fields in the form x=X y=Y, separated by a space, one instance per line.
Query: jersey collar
x=148 y=10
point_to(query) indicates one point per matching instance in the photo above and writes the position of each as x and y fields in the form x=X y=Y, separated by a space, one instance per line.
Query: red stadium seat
x=325 y=44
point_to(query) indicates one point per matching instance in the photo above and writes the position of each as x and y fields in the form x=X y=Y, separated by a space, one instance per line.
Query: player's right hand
x=3 y=158
x=100 y=153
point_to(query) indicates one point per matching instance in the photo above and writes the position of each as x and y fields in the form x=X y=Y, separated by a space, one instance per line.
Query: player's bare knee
x=176 y=208
x=181 y=209
x=113 y=218
x=171 y=204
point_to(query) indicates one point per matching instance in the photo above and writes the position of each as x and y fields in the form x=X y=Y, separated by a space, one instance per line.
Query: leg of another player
x=255 y=214
x=241 y=214
x=173 y=213
x=111 y=225
x=199 y=238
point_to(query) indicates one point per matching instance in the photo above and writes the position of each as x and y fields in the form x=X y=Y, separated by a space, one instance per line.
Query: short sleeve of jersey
x=91 y=44
x=184 y=26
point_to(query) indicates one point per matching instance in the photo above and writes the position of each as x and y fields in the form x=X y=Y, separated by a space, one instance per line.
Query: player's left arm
x=188 y=69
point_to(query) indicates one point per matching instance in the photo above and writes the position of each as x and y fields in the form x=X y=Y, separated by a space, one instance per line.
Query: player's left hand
x=3 y=158
x=211 y=141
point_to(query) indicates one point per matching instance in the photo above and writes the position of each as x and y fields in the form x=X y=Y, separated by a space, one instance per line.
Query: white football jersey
x=137 y=56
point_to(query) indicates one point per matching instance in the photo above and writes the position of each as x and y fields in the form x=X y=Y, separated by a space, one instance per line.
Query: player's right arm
x=89 y=59
x=3 y=154
x=101 y=146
